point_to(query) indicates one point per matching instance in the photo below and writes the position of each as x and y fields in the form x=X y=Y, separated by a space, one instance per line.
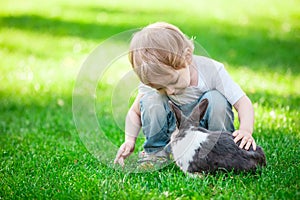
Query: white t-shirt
x=211 y=76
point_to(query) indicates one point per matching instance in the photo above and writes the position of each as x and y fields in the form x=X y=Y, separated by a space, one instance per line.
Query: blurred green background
x=42 y=47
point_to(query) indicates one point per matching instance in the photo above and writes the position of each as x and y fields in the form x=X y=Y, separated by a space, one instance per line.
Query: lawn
x=45 y=150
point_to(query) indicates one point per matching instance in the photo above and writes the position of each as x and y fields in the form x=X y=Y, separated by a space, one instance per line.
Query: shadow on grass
x=57 y=27
x=254 y=48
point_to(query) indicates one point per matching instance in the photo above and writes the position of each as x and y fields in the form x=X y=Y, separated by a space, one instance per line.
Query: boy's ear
x=199 y=111
x=176 y=111
x=188 y=55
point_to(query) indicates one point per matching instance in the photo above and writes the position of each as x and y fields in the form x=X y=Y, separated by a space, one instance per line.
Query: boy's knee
x=216 y=100
x=154 y=104
x=219 y=114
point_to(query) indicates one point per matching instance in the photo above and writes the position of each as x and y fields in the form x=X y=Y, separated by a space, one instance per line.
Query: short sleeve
x=230 y=89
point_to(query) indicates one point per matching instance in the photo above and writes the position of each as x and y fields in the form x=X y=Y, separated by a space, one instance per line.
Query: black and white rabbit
x=196 y=149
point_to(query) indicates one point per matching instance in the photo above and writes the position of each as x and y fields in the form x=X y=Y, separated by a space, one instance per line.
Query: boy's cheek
x=184 y=83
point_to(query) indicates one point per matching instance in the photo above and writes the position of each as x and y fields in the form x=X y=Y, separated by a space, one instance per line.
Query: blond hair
x=157 y=49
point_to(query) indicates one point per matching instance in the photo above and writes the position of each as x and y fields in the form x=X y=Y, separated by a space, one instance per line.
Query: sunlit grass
x=42 y=47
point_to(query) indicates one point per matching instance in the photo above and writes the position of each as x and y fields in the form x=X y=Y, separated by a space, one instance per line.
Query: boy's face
x=174 y=83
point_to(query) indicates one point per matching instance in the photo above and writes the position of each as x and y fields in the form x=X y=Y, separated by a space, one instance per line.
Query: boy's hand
x=124 y=151
x=246 y=138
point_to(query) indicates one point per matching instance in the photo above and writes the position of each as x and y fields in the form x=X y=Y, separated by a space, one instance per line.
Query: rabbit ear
x=177 y=112
x=199 y=111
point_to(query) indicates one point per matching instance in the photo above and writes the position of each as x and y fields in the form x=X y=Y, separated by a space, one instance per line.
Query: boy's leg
x=158 y=122
x=219 y=115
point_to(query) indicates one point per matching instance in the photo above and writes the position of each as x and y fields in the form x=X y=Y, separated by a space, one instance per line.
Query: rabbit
x=197 y=150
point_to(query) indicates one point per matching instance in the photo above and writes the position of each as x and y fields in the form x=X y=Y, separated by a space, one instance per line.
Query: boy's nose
x=170 y=91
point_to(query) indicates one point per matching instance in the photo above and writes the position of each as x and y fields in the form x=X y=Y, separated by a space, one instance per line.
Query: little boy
x=162 y=57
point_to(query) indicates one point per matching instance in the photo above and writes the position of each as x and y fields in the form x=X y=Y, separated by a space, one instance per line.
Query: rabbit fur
x=198 y=150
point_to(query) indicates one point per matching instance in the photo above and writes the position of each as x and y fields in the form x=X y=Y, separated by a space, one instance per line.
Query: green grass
x=42 y=47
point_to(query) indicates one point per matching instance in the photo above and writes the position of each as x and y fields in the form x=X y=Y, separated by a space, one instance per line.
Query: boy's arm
x=133 y=120
x=132 y=129
x=246 y=118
